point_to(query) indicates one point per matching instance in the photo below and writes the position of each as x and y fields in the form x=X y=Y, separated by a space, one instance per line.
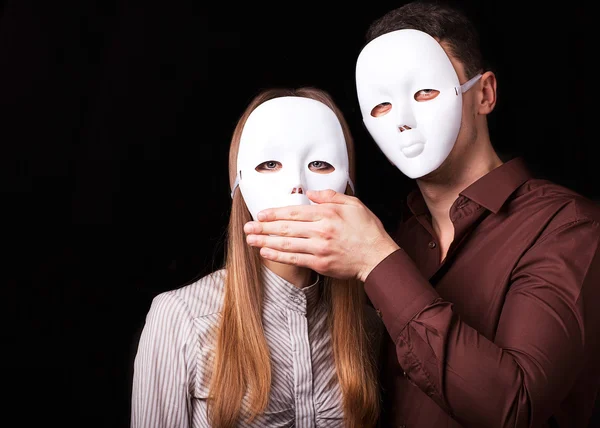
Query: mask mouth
x=413 y=150
x=410 y=137
x=412 y=143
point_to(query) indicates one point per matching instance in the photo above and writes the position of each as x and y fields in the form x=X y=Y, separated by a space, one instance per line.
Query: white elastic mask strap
x=236 y=183
x=467 y=85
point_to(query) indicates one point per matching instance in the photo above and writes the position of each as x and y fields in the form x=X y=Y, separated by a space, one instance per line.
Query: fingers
x=296 y=229
x=296 y=213
x=283 y=244
x=330 y=196
x=310 y=212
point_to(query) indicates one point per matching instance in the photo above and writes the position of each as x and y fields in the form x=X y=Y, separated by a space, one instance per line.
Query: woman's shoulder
x=200 y=298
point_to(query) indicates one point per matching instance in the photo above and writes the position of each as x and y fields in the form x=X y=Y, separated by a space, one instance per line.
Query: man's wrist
x=376 y=257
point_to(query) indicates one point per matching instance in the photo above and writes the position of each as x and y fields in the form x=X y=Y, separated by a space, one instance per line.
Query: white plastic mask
x=416 y=136
x=290 y=145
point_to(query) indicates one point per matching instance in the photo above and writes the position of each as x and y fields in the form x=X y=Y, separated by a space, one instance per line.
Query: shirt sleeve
x=163 y=367
x=518 y=379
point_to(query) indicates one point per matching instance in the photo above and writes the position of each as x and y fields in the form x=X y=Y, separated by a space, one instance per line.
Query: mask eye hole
x=269 y=166
x=381 y=109
x=321 y=167
x=426 y=95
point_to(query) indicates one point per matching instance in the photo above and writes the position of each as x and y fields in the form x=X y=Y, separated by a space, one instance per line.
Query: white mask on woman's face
x=290 y=145
x=418 y=123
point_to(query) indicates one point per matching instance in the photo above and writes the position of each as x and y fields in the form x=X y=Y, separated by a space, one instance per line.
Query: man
x=489 y=291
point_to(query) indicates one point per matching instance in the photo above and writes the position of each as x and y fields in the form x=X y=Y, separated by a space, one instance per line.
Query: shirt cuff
x=398 y=291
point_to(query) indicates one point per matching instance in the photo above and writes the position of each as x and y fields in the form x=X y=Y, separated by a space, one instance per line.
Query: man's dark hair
x=441 y=21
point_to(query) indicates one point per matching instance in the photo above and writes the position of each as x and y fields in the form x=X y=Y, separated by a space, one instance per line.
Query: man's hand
x=339 y=237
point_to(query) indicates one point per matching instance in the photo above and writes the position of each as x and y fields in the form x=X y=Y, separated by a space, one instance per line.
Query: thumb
x=327 y=196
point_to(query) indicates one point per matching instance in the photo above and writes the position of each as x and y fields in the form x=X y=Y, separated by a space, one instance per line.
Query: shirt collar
x=281 y=292
x=490 y=191
x=493 y=189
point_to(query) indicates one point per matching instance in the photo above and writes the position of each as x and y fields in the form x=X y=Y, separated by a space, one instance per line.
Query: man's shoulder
x=564 y=204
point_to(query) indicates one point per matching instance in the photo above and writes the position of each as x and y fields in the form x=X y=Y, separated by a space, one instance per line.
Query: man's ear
x=486 y=94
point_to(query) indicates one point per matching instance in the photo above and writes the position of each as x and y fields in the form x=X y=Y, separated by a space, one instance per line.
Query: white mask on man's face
x=416 y=136
x=290 y=145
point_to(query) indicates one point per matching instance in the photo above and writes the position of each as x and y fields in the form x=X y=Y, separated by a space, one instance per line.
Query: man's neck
x=441 y=188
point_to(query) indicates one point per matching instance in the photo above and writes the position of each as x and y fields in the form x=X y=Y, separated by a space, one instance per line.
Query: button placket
x=302 y=367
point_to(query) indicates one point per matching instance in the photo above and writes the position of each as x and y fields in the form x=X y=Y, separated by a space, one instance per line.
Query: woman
x=259 y=343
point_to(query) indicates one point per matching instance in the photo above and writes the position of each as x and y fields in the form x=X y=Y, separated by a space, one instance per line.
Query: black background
x=115 y=124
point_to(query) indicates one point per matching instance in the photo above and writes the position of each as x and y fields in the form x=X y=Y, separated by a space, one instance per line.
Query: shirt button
x=432 y=244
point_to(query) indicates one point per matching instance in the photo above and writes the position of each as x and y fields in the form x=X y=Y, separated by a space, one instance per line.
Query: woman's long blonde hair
x=242 y=361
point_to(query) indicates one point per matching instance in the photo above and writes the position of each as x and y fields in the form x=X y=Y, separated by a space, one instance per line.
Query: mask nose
x=295 y=180
x=405 y=117
x=298 y=189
